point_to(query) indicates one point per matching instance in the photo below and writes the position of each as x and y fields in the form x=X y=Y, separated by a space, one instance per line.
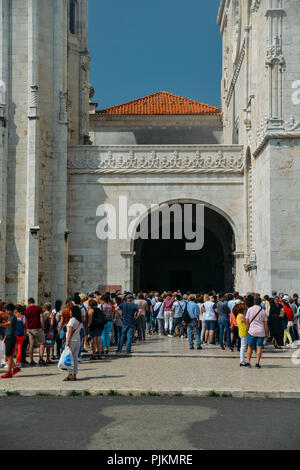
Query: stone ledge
x=199 y=393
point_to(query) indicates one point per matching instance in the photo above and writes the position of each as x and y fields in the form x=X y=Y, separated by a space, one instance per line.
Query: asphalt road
x=150 y=423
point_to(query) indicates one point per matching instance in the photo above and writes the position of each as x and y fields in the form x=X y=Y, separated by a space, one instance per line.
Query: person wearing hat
x=129 y=313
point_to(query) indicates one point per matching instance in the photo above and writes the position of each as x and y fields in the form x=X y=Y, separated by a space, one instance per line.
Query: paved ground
x=161 y=366
x=120 y=423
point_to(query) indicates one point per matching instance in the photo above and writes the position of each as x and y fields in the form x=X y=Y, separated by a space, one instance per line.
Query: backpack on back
x=186 y=317
x=20 y=331
x=99 y=320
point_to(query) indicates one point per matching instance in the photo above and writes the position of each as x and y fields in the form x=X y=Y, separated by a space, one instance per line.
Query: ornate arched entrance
x=167 y=265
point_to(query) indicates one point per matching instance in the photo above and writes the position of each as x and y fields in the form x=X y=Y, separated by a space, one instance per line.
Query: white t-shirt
x=159 y=307
x=76 y=325
x=209 y=314
x=179 y=307
x=201 y=314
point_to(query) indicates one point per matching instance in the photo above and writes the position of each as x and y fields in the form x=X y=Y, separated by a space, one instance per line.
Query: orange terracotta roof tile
x=162 y=103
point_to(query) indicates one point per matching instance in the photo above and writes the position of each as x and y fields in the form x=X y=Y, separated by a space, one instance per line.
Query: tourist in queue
x=35 y=325
x=178 y=309
x=235 y=339
x=241 y=310
x=168 y=313
x=194 y=325
x=159 y=315
x=108 y=310
x=21 y=333
x=142 y=304
x=73 y=340
x=129 y=314
x=56 y=312
x=209 y=309
x=96 y=324
x=257 y=325
x=289 y=321
x=148 y=314
x=223 y=321
x=79 y=303
x=10 y=342
x=64 y=320
x=275 y=322
x=200 y=302
x=50 y=327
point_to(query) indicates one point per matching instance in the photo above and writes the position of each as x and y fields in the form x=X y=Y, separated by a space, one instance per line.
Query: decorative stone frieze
x=158 y=159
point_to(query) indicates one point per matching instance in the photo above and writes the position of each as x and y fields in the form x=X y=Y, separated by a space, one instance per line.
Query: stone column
x=59 y=281
x=3 y=139
x=32 y=225
x=129 y=262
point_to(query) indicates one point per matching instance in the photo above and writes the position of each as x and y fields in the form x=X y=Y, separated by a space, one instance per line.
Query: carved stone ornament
x=274 y=53
x=33 y=102
x=292 y=124
x=255 y=5
x=236 y=29
x=153 y=162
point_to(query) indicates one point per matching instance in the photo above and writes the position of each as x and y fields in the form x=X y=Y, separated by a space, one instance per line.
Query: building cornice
x=275 y=135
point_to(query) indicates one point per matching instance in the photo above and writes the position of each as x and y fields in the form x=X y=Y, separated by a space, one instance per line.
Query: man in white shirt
x=209 y=311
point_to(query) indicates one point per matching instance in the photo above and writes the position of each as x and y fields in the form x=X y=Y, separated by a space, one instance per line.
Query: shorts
x=36 y=334
x=210 y=325
x=255 y=341
x=96 y=333
x=10 y=342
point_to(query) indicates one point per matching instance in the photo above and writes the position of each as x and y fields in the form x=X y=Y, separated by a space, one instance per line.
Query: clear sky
x=139 y=47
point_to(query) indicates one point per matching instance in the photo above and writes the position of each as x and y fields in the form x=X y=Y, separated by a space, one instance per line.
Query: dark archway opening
x=166 y=265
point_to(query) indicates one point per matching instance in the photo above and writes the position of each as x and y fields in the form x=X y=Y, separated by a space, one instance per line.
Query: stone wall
x=34 y=59
x=261 y=73
x=155 y=130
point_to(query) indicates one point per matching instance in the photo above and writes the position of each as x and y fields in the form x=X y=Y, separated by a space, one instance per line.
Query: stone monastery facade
x=60 y=159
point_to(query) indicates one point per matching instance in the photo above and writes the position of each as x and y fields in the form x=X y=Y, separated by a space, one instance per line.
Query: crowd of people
x=91 y=324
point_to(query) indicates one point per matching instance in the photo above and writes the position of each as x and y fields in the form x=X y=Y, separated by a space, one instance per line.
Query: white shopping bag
x=66 y=360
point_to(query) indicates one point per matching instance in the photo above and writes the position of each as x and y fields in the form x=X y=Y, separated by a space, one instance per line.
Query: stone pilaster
x=32 y=228
x=276 y=63
x=59 y=222
x=84 y=85
x=3 y=140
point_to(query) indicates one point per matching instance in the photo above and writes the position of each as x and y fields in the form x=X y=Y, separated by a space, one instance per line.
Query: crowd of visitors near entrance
x=91 y=324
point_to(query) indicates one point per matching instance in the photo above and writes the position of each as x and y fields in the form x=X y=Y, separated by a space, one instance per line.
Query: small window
x=73 y=14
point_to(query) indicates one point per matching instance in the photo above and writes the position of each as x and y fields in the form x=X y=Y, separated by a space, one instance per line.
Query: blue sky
x=139 y=47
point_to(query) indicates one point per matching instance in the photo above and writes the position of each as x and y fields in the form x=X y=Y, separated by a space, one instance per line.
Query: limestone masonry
x=60 y=158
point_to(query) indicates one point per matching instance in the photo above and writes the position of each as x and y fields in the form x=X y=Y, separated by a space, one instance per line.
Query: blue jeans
x=129 y=331
x=81 y=337
x=193 y=327
x=177 y=321
x=224 y=325
x=105 y=338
